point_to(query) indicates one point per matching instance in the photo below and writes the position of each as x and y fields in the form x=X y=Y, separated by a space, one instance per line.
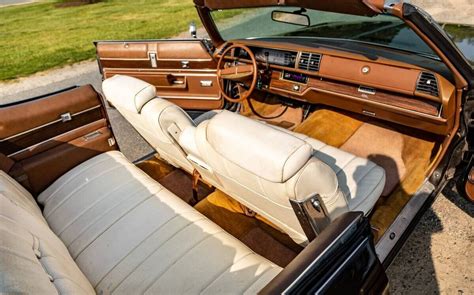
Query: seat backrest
x=264 y=168
x=33 y=260
x=158 y=121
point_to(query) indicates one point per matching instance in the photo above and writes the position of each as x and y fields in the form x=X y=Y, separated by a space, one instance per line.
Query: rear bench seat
x=107 y=227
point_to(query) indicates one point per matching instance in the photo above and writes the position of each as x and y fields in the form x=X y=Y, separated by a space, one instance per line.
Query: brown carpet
x=181 y=184
x=337 y=127
x=155 y=167
x=418 y=153
x=175 y=180
x=253 y=231
x=383 y=146
x=331 y=127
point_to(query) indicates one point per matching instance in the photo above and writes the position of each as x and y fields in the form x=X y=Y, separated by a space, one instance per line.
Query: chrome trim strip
x=48 y=124
x=190 y=97
x=394 y=108
x=393 y=234
x=160 y=70
x=49 y=139
x=158 y=59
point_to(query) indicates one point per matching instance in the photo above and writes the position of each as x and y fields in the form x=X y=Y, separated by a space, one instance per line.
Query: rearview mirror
x=294 y=18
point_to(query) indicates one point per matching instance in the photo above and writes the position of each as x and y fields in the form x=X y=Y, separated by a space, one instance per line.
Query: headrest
x=128 y=93
x=268 y=152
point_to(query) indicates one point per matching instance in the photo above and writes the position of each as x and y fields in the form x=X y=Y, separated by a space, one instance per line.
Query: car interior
x=259 y=144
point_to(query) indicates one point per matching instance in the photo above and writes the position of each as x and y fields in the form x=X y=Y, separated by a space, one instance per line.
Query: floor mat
x=331 y=127
x=337 y=127
x=418 y=154
x=383 y=146
x=255 y=233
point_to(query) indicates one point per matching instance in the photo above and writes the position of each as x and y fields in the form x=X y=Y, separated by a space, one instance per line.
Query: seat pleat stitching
x=67 y=197
x=357 y=182
x=19 y=255
x=93 y=205
x=73 y=176
x=106 y=229
x=223 y=272
x=138 y=245
x=180 y=258
x=70 y=280
x=158 y=248
x=105 y=213
x=270 y=267
x=344 y=166
x=373 y=189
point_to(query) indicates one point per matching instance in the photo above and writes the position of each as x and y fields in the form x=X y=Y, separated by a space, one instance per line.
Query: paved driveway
x=14 y=2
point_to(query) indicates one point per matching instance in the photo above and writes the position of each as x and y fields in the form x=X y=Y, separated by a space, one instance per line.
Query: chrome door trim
x=48 y=124
x=398 y=227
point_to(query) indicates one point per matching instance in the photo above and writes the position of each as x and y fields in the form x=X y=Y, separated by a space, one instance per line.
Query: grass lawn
x=38 y=37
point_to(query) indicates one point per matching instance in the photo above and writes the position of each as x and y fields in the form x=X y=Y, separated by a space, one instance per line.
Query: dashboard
x=379 y=87
x=272 y=56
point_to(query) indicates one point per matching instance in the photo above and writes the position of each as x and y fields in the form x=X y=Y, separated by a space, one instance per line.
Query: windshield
x=381 y=30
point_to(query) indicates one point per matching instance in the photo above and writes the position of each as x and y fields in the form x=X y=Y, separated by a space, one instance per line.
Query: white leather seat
x=119 y=232
x=157 y=120
x=264 y=167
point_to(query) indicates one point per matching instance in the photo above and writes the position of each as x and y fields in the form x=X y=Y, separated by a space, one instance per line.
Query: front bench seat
x=233 y=156
x=119 y=232
x=264 y=167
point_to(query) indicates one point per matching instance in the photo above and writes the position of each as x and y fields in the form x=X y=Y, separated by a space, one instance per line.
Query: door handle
x=152 y=56
x=185 y=64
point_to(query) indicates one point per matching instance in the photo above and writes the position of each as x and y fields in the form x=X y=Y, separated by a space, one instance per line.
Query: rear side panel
x=48 y=136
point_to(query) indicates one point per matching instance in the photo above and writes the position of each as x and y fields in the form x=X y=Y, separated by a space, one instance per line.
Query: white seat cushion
x=264 y=167
x=130 y=235
x=33 y=260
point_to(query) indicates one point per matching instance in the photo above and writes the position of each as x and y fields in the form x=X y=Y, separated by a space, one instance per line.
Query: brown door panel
x=182 y=71
x=44 y=168
x=48 y=136
x=38 y=113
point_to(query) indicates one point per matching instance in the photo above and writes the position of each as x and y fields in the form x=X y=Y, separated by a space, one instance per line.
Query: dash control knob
x=296 y=88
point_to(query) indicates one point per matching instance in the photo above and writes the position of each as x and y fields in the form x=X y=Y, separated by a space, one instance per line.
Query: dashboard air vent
x=428 y=84
x=309 y=61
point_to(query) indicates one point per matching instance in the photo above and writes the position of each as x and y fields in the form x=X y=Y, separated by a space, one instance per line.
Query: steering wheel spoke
x=237 y=71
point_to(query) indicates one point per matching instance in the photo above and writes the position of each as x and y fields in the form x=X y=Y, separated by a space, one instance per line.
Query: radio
x=294 y=77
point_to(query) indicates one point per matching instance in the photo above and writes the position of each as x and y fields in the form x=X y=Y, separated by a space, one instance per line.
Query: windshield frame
x=403 y=34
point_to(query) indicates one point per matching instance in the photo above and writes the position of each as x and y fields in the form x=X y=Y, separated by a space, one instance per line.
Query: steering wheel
x=244 y=74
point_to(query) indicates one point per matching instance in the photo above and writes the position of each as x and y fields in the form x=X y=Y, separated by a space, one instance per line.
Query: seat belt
x=196 y=177
x=6 y=164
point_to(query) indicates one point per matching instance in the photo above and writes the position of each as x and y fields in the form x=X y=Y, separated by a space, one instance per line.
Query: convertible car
x=295 y=148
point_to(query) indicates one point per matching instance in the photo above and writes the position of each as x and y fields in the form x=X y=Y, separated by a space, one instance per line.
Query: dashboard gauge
x=275 y=57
